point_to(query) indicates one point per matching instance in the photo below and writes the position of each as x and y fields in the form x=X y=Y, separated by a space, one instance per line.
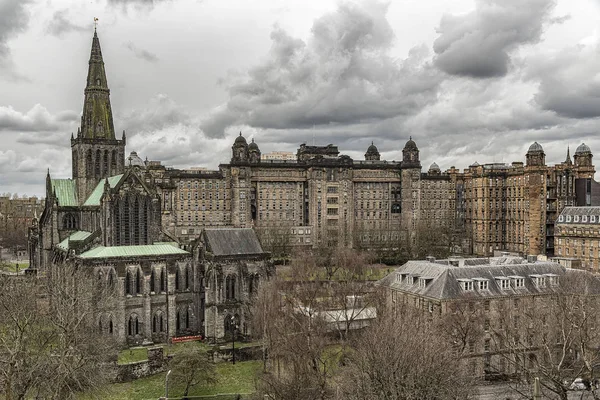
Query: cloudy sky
x=470 y=80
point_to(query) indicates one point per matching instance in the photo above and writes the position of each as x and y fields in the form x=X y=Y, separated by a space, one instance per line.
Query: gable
x=233 y=242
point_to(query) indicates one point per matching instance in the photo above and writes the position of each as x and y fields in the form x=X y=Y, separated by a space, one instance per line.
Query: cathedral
x=108 y=218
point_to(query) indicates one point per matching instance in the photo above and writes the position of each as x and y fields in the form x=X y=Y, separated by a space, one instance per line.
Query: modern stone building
x=489 y=303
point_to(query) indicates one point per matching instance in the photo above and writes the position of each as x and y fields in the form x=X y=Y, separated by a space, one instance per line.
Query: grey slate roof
x=443 y=280
x=569 y=214
x=233 y=242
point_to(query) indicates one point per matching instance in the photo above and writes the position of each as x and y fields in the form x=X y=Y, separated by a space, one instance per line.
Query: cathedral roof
x=66 y=192
x=535 y=148
x=233 y=242
x=97 y=119
x=133 y=251
x=583 y=149
x=96 y=195
x=78 y=236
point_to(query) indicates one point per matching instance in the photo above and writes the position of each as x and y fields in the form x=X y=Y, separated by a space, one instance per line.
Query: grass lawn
x=133 y=354
x=238 y=378
x=12 y=267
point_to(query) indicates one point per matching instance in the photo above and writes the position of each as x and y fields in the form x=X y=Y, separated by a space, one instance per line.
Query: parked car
x=578 y=384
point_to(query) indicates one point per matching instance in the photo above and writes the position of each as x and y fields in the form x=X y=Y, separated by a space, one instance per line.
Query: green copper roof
x=94 y=199
x=133 y=251
x=77 y=236
x=66 y=192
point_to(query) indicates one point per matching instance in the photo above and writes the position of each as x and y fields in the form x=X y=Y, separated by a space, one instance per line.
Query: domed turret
x=135 y=161
x=434 y=169
x=253 y=152
x=372 y=153
x=535 y=148
x=239 y=149
x=583 y=149
x=535 y=155
x=583 y=157
x=410 y=154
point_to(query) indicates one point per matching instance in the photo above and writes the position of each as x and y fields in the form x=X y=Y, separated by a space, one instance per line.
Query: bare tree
x=191 y=367
x=553 y=337
x=50 y=342
x=402 y=357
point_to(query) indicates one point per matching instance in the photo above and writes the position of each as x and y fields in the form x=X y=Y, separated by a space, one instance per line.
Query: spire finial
x=95 y=24
x=372 y=143
x=240 y=133
x=410 y=137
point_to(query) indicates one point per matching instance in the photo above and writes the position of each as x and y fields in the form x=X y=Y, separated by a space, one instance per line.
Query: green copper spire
x=97 y=120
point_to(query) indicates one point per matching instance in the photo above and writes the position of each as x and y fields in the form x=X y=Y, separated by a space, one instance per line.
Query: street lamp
x=233 y=328
x=167 y=385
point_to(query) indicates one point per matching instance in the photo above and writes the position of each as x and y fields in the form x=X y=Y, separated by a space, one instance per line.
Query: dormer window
x=561 y=218
x=481 y=283
x=576 y=218
x=592 y=219
x=423 y=282
x=568 y=218
x=584 y=218
x=503 y=282
x=538 y=280
x=399 y=278
x=552 y=279
x=414 y=279
x=517 y=281
x=466 y=284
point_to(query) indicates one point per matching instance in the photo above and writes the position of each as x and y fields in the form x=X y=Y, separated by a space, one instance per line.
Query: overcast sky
x=469 y=80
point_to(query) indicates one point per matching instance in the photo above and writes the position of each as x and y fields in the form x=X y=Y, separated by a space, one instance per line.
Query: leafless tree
x=191 y=367
x=555 y=337
x=402 y=357
x=51 y=345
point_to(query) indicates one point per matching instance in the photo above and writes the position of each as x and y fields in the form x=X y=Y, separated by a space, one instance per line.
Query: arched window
x=163 y=281
x=138 y=282
x=232 y=291
x=133 y=325
x=136 y=222
x=155 y=323
x=128 y=283
x=187 y=317
x=250 y=284
x=98 y=163
x=152 y=278
x=89 y=163
x=126 y=221
x=113 y=162
x=178 y=322
x=111 y=279
x=177 y=278
x=100 y=276
x=105 y=164
x=69 y=222
x=110 y=325
x=188 y=273
x=228 y=287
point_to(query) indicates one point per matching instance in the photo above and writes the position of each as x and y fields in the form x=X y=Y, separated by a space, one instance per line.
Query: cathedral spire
x=97 y=120
x=568 y=160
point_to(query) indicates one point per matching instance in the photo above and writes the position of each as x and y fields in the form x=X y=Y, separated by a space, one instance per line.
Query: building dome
x=135 y=161
x=583 y=149
x=372 y=149
x=252 y=145
x=434 y=167
x=240 y=139
x=535 y=148
x=410 y=145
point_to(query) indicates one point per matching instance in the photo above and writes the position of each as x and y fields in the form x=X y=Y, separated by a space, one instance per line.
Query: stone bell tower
x=96 y=153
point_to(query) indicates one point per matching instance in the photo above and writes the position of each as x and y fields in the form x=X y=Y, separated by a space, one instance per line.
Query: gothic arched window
x=138 y=282
x=69 y=222
x=113 y=162
x=152 y=278
x=105 y=164
x=133 y=325
x=177 y=278
x=89 y=163
x=128 y=283
x=163 y=280
x=98 y=163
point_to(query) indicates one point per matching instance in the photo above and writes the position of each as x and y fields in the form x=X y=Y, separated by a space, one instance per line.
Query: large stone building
x=108 y=218
x=493 y=306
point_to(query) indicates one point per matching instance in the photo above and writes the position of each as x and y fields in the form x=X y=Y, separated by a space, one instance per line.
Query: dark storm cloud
x=569 y=83
x=61 y=24
x=478 y=44
x=141 y=53
x=342 y=75
x=13 y=19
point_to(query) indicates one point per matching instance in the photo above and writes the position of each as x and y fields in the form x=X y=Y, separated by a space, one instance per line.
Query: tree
x=191 y=367
x=50 y=342
x=402 y=357
x=553 y=337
